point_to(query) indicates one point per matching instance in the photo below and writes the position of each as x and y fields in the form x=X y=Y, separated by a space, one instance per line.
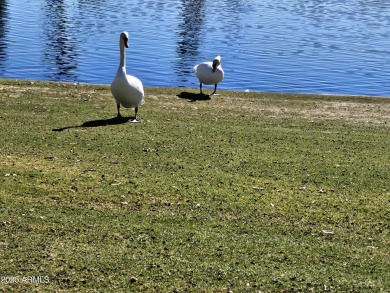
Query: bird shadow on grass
x=192 y=97
x=98 y=123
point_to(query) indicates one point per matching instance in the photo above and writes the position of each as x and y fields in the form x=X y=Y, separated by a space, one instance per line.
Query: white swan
x=127 y=90
x=210 y=73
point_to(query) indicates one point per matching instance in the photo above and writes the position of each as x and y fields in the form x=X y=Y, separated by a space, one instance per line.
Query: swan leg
x=215 y=90
x=118 y=107
x=135 y=118
x=200 y=88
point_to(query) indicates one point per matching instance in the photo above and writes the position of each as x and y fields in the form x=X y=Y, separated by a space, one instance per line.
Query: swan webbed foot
x=135 y=120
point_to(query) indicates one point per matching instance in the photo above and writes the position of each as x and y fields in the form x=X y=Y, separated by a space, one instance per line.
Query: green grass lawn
x=245 y=192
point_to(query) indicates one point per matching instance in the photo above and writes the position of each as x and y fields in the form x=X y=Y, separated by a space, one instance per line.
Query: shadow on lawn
x=192 y=97
x=98 y=123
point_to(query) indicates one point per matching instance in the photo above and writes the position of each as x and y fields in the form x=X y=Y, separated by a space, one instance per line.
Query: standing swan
x=127 y=90
x=210 y=73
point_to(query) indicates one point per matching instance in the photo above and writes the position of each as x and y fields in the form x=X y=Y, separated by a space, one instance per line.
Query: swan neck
x=123 y=55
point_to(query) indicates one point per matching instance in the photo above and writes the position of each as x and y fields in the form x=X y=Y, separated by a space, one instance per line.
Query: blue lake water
x=337 y=47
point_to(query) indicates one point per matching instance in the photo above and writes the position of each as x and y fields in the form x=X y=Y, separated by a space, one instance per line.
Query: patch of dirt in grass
x=351 y=112
x=370 y=111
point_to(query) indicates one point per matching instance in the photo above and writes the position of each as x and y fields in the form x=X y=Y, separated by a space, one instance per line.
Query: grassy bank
x=243 y=191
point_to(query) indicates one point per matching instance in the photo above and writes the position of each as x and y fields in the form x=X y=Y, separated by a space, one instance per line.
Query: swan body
x=209 y=73
x=127 y=90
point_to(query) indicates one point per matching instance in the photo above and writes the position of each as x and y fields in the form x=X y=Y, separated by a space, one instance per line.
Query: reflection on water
x=189 y=35
x=3 y=31
x=60 y=54
x=284 y=46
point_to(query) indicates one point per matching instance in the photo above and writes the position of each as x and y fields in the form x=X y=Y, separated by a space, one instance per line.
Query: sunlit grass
x=242 y=192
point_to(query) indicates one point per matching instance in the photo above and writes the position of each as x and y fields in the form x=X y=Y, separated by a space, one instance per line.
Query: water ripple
x=282 y=46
